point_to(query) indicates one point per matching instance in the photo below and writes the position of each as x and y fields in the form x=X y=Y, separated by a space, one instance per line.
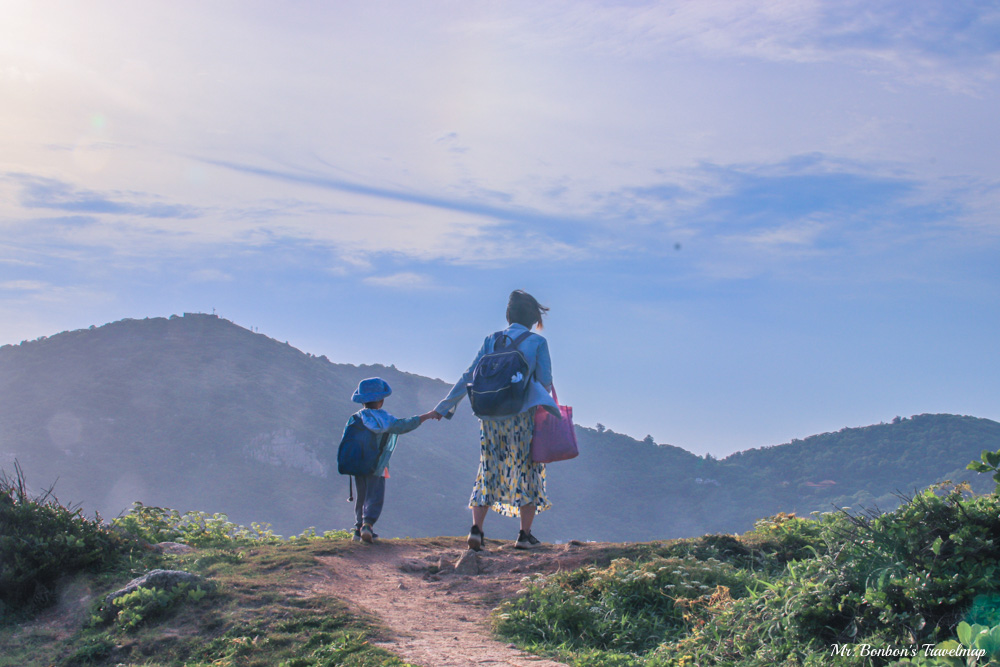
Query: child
x=371 y=488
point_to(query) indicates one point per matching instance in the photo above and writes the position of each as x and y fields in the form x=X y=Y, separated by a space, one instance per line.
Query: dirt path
x=438 y=612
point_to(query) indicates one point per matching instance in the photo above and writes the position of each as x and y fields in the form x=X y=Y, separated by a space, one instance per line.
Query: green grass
x=783 y=594
x=57 y=566
x=254 y=617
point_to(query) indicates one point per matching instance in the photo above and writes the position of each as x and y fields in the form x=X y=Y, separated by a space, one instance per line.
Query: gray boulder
x=162 y=579
x=468 y=563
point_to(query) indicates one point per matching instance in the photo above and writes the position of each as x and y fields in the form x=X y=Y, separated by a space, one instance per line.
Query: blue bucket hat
x=371 y=390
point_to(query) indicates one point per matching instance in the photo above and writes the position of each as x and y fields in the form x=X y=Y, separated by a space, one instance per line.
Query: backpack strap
x=517 y=341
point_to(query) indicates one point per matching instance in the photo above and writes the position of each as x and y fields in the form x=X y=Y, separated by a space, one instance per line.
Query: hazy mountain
x=195 y=412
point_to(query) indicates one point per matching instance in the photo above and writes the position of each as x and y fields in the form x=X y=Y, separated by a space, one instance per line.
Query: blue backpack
x=500 y=378
x=360 y=448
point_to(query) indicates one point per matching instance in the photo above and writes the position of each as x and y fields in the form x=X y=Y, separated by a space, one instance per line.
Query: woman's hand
x=429 y=415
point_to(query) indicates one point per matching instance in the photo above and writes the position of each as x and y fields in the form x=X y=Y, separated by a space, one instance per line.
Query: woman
x=508 y=481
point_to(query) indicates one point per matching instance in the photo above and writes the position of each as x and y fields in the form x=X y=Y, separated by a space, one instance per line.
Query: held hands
x=429 y=415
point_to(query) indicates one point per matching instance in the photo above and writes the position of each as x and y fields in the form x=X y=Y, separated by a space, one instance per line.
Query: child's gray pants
x=368 y=502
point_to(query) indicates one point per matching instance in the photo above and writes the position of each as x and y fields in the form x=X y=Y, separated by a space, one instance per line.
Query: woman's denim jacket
x=536 y=352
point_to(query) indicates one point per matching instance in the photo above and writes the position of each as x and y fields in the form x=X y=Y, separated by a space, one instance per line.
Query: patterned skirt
x=507 y=479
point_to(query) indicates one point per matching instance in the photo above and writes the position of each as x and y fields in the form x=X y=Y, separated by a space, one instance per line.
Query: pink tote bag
x=554 y=439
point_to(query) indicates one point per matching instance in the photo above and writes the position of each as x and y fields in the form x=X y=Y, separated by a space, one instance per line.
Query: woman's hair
x=522 y=308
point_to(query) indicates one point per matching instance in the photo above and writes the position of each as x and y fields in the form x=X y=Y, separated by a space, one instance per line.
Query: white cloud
x=406 y=146
x=210 y=275
x=455 y=134
x=13 y=261
x=950 y=45
x=23 y=285
x=405 y=280
x=796 y=235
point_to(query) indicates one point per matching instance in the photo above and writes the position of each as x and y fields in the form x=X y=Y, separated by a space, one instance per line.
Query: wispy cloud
x=405 y=281
x=773 y=199
x=950 y=44
x=23 y=285
x=794 y=209
x=14 y=261
x=740 y=196
x=807 y=215
x=211 y=276
x=472 y=207
x=432 y=226
x=759 y=168
x=452 y=143
x=51 y=194
x=945 y=31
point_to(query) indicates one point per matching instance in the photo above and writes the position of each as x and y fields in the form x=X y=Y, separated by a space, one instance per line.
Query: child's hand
x=429 y=415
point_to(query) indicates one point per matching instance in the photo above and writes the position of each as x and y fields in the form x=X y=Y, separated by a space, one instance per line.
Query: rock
x=162 y=579
x=468 y=563
x=412 y=565
x=173 y=548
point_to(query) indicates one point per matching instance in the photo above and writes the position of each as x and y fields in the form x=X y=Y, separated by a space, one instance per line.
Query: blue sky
x=753 y=221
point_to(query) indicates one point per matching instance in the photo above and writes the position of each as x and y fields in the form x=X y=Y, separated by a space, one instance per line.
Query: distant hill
x=195 y=412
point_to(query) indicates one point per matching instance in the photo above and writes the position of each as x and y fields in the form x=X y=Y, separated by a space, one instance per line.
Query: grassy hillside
x=847 y=589
x=917 y=585
x=57 y=567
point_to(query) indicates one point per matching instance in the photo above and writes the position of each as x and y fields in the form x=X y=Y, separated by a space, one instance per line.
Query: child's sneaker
x=367 y=535
x=357 y=535
x=476 y=538
x=526 y=541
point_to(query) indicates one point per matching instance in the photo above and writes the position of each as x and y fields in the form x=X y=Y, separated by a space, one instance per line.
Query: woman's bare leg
x=527 y=517
x=479 y=515
x=476 y=536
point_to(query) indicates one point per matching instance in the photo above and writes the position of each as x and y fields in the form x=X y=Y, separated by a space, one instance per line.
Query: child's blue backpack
x=500 y=379
x=360 y=448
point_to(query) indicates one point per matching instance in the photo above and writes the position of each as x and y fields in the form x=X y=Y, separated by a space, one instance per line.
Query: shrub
x=893 y=580
x=725 y=548
x=918 y=569
x=791 y=589
x=138 y=607
x=200 y=529
x=976 y=645
x=626 y=607
x=784 y=538
x=42 y=541
x=197 y=529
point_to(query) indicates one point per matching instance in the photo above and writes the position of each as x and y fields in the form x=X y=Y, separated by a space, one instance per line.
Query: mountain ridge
x=196 y=412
